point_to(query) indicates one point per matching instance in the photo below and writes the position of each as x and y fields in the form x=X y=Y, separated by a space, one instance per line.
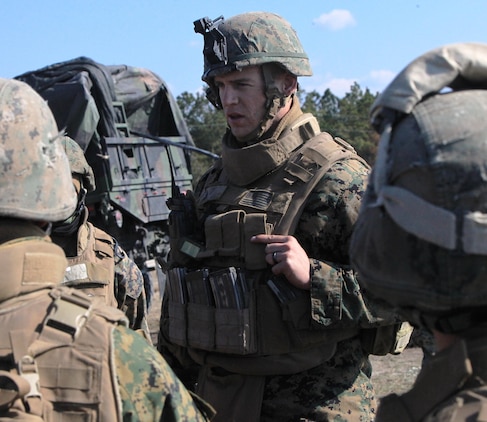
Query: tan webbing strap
x=335 y=152
x=12 y=387
x=28 y=369
x=20 y=341
x=68 y=314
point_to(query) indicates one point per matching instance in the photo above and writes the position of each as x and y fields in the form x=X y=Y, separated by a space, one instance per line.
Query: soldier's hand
x=287 y=258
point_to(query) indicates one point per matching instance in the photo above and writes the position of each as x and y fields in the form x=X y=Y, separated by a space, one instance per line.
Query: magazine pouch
x=211 y=310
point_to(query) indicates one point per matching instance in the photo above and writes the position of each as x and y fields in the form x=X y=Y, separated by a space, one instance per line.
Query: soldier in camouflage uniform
x=96 y=262
x=269 y=236
x=421 y=238
x=62 y=356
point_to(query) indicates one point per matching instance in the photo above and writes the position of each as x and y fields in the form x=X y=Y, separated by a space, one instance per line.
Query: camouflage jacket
x=324 y=230
x=334 y=309
x=130 y=292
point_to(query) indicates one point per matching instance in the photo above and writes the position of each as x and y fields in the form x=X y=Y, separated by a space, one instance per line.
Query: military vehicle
x=134 y=137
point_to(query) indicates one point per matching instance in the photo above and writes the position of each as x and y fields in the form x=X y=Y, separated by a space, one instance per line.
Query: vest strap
x=68 y=314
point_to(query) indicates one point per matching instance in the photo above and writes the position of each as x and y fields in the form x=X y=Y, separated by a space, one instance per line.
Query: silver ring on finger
x=274 y=257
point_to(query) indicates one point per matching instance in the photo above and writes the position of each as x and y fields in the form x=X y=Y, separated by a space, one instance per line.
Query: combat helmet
x=250 y=39
x=83 y=180
x=420 y=241
x=35 y=180
x=77 y=162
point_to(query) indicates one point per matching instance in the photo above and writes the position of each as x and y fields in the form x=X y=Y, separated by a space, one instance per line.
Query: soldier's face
x=243 y=100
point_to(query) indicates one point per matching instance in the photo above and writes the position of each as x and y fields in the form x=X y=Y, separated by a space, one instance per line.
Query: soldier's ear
x=77 y=183
x=289 y=84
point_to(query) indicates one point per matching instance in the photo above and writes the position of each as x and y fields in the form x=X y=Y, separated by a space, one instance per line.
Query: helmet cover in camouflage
x=35 y=180
x=78 y=163
x=421 y=238
x=249 y=39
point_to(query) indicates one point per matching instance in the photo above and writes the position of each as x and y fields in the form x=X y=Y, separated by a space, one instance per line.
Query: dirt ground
x=390 y=373
x=396 y=373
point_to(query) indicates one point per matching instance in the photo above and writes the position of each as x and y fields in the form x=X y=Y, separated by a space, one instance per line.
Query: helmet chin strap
x=275 y=100
x=70 y=225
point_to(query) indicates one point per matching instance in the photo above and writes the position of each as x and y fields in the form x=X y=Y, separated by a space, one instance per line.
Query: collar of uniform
x=245 y=165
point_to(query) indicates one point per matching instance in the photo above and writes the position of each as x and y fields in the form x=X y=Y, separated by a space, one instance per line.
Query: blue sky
x=363 y=41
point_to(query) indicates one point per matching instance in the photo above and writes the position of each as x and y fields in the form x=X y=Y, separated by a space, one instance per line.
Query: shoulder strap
x=325 y=151
x=104 y=243
x=12 y=388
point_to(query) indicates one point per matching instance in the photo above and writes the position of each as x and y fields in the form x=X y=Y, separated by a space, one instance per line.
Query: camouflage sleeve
x=325 y=230
x=148 y=388
x=129 y=290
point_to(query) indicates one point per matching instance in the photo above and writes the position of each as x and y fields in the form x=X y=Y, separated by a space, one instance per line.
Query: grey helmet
x=35 y=179
x=251 y=39
x=420 y=241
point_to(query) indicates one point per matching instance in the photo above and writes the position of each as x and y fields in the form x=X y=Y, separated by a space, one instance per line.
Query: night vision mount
x=215 y=49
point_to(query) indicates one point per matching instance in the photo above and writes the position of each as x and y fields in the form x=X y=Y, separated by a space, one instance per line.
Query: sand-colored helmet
x=421 y=237
x=35 y=180
x=79 y=165
x=248 y=39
